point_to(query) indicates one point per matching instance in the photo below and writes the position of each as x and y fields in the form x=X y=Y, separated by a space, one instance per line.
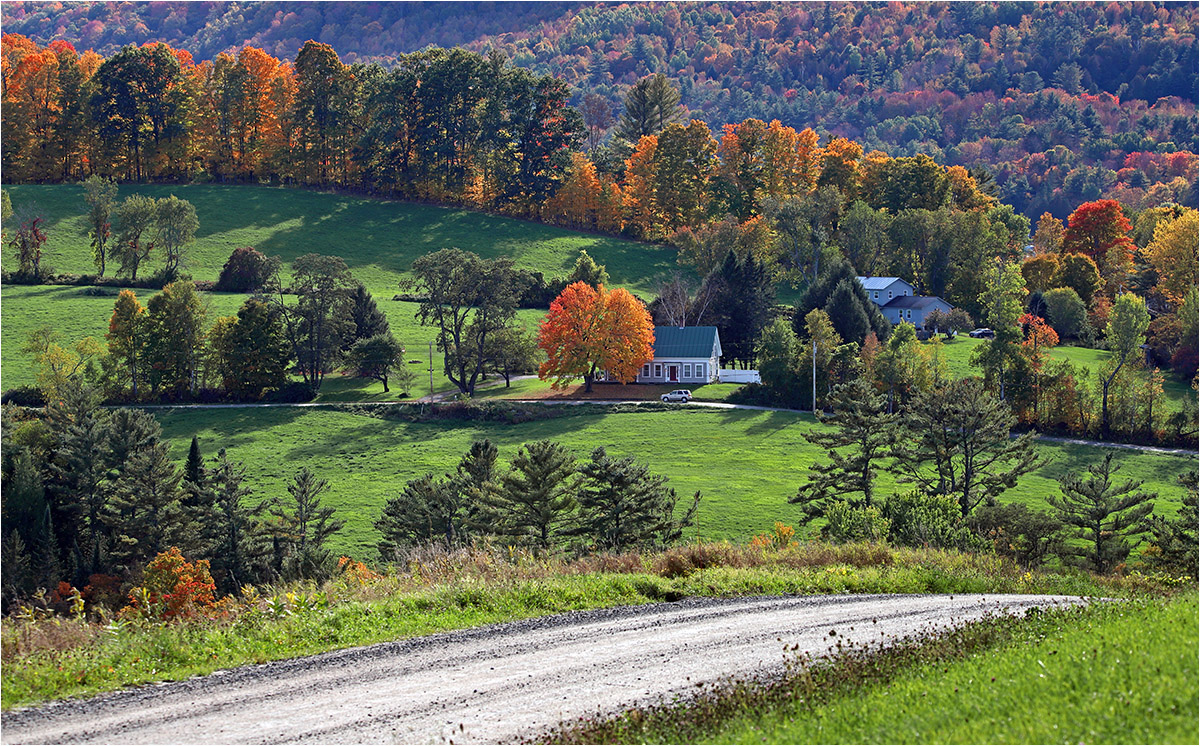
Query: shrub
x=172 y=588
x=846 y=523
x=245 y=271
x=922 y=520
x=780 y=538
x=1027 y=536
x=24 y=396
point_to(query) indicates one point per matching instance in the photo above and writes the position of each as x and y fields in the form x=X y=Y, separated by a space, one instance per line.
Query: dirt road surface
x=500 y=683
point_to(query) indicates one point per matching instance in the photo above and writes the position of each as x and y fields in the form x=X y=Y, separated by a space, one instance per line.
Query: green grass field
x=379 y=239
x=747 y=463
x=1121 y=673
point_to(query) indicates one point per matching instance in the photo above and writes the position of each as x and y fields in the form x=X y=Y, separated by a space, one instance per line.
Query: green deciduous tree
x=135 y=219
x=176 y=222
x=175 y=338
x=127 y=330
x=319 y=323
x=1126 y=333
x=376 y=357
x=101 y=196
x=468 y=299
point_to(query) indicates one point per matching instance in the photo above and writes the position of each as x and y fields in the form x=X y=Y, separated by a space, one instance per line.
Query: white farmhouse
x=683 y=354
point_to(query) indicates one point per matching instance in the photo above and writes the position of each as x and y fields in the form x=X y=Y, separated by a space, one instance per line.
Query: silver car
x=682 y=395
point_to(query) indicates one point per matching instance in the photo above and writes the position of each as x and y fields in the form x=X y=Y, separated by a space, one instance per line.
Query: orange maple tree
x=589 y=330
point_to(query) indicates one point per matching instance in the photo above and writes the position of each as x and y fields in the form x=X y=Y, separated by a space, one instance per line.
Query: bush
x=245 y=271
x=24 y=396
x=846 y=524
x=1024 y=535
x=294 y=392
x=921 y=520
x=172 y=588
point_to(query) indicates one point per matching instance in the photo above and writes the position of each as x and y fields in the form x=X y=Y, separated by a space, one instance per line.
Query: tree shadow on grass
x=228 y=428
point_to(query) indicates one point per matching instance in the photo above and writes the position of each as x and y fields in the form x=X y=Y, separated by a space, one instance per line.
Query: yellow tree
x=638 y=190
x=576 y=204
x=589 y=330
x=1174 y=253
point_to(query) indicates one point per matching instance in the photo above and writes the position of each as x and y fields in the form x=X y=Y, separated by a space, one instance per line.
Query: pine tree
x=145 y=514
x=193 y=468
x=239 y=540
x=368 y=320
x=130 y=431
x=623 y=505
x=534 y=503
x=304 y=526
x=1105 y=514
x=80 y=478
x=956 y=442
x=864 y=427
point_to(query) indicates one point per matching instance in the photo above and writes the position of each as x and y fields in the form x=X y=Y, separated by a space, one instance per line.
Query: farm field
x=746 y=462
x=379 y=239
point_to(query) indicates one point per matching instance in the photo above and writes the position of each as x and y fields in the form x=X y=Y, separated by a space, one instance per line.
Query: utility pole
x=431 y=371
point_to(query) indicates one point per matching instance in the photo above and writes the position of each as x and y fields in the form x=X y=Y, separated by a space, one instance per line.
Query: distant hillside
x=1064 y=102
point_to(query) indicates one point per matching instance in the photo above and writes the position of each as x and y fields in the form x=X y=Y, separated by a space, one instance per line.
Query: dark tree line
x=546 y=500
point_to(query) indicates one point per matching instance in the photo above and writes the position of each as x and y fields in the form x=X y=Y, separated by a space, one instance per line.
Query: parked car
x=682 y=395
x=981 y=333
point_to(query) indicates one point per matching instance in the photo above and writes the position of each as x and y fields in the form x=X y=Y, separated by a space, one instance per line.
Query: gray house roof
x=688 y=341
x=879 y=283
x=915 y=301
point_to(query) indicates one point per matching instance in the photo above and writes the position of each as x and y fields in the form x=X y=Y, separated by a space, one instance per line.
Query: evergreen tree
x=79 y=485
x=193 y=468
x=17 y=580
x=1105 y=515
x=744 y=297
x=238 y=545
x=304 y=526
x=956 y=442
x=447 y=510
x=368 y=320
x=534 y=503
x=1174 y=540
x=145 y=513
x=130 y=431
x=621 y=504
x=821 y=291
x=846 y=313
x=587 y=270
x=863 y=427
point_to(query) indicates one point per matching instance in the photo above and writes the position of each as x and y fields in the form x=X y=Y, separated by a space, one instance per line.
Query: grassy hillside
x=75 y=315
x=379 y=239
x=747 y=463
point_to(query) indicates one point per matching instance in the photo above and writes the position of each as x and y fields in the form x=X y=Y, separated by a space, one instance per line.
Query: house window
x=876 y=295
x=889 y=295
x=908 y=314
x=658 y=370
x=646 y=370
x=687 y=370
x=702 y=371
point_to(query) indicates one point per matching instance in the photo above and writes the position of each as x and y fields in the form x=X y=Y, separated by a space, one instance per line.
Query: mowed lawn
x=746 y=463
x=379 y=239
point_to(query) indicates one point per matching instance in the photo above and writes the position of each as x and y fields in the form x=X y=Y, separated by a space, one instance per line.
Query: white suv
x=682 y=395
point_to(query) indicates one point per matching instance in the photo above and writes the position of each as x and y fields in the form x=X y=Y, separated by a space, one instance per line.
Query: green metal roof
x=688 y=341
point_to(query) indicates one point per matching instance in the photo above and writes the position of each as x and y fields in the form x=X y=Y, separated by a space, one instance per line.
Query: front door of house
x=673 y=373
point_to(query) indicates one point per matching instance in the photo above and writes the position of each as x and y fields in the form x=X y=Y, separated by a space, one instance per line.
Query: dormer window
x=876 y=295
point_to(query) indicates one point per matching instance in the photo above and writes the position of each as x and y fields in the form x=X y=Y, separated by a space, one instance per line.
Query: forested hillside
x=1064 y=102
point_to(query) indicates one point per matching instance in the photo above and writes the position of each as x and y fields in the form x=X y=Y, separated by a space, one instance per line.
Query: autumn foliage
x=589 y=330
x=173 y=588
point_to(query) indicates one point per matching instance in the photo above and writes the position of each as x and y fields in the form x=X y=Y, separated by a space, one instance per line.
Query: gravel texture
x=501 y=683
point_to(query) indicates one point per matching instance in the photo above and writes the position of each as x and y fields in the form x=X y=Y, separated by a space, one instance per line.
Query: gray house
x=689 y=354
x=898 y=301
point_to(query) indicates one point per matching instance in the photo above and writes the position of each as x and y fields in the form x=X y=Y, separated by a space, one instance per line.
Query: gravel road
x=495 y=684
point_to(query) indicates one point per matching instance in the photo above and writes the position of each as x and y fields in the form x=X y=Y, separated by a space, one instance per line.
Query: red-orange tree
x=589 y=330
x=1100 y=230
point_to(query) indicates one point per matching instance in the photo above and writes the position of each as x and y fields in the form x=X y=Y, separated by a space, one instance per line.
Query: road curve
x=499 y=683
